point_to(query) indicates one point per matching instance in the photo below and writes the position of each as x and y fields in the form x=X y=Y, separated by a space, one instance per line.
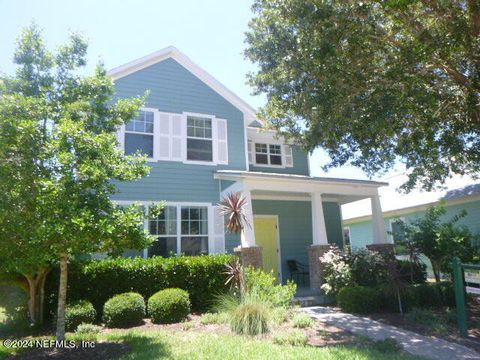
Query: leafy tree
x=373 y=82
x=440 y=240
x=59 y=162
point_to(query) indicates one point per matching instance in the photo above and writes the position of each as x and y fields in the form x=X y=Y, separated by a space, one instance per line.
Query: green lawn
x=181 y=345
x=200 y=345
x=3 y=315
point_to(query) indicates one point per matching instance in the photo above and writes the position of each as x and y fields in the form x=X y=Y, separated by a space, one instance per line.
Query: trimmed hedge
x=79 y=313
x=203 y=277
x=169 y=306
x=364 y=300
x=359 y=299
x=124 y=310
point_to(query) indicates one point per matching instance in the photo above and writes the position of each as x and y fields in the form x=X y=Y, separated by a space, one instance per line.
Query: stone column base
x=315 y=252
x=386 y=248
x=250 y=256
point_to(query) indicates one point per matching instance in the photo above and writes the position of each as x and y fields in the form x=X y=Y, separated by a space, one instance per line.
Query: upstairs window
x=139 y=134
x=268 y=154
x=199 y=139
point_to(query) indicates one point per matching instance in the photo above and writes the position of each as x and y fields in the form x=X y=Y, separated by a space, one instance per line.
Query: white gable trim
x=172 y=52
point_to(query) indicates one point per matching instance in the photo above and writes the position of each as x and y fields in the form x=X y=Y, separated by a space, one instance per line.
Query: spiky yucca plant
x=233 y=207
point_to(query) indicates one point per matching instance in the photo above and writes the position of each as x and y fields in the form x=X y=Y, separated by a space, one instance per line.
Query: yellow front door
x=266 y=236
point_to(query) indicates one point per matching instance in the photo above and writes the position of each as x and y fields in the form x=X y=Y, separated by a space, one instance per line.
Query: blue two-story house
x=203 y=142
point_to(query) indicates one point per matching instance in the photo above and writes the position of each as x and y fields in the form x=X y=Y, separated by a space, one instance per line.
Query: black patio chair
x=297 y=271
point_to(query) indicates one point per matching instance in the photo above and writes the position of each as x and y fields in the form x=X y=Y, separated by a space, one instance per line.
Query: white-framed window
x=180 y=229
x=194 y=230
x=203 y=228
x=165 y=227
x=199 y=139
x=187 y=137
x=397 y=229
x=139 y=134
x=268 y=154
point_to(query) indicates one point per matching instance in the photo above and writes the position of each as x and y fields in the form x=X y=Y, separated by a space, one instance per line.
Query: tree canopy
x=59 y=162
x=373 y=82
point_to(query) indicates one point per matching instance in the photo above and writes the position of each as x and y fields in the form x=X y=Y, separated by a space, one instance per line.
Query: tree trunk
x=399 y=302
x=36 y=295
x=62 y=297
x=436 y=271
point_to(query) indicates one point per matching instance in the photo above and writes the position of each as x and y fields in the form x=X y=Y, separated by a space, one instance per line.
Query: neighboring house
x=203 y=142
x=459 y=193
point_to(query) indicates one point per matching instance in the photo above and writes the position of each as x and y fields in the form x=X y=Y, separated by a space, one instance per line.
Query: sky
x=210 y=32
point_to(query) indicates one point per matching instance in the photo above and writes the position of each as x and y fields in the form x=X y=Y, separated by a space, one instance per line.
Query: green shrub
x=124 y=310
x=412 y=273
x=388 y=346
x=389 y=300
x=264 y=286
x=281 y=315
x=428 y=295
x=202 y=277
x=369 y=268
x=169 y=306
x=359 y=299
x=447 y=293
x=293 y=338
x=337 y=271
x=214 y=318
x=88 y=329
x=250 y=319
x=302 y=320
x=78 y=313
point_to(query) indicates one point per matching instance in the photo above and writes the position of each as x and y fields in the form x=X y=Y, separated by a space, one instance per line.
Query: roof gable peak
x=172 y=52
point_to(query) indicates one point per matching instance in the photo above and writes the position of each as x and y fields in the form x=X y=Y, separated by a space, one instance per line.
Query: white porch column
x=248 y=234
x=319 y=242
x=319 y=231
x=379 y=232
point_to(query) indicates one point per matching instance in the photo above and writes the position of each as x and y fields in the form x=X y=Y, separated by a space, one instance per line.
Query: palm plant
x=236 y=277
x=233 y=207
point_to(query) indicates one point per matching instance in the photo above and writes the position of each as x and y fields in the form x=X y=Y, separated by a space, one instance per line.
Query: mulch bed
x=473 y=340
x=320 y=335
x=102 y=350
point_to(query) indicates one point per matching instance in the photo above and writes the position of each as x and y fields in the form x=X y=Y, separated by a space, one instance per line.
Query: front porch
x=296 y=218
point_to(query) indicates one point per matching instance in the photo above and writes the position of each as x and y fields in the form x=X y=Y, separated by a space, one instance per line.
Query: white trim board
x=409 y=210
x=172 y=52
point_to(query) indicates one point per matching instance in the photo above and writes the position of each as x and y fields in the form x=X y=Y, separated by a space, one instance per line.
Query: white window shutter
x=288 y=156
x=164 y=136
x=250 y=145
x=177 y=127
x=222 y=141
x=218 y=231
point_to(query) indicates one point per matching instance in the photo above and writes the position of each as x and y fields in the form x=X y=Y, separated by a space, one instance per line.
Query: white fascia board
x=249 y=113
x=303 y=185
x=413 y=209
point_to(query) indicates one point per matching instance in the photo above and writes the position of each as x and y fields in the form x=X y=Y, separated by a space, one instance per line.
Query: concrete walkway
x=427 y=346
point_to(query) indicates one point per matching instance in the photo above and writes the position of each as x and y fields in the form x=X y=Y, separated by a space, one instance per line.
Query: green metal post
x=459 y=285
